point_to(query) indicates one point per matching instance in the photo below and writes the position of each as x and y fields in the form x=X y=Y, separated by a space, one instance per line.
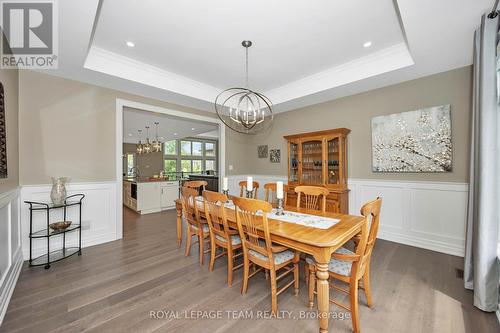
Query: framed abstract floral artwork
x=414 y=141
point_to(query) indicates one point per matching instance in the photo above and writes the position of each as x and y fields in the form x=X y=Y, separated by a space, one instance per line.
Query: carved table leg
x=179 y=226
x=323 y=296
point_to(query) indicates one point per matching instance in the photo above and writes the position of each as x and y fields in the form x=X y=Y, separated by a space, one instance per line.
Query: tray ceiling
x=304 y=52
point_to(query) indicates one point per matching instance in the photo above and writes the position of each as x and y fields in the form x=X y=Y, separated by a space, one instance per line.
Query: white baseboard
x=11 y=259
x=99 y=217
x=429 y=215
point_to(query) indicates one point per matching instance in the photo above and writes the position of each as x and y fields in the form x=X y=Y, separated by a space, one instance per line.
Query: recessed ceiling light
x=130 y=134
x=367 y=44
x=130 y=44
x=192 y=129
x=161 y=137
x=175 y=134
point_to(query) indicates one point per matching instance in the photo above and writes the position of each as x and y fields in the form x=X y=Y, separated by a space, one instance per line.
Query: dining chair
x=259 y=250
x=195 y=226
x=352 y=267
x=311 y=196
x=197 y=184
x=243 y=187
x=221 y=235
x=270 y=193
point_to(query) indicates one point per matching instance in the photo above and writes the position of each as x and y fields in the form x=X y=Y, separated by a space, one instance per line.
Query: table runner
x=306 y=220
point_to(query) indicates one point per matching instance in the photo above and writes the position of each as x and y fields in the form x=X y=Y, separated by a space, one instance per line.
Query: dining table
x=319 y=242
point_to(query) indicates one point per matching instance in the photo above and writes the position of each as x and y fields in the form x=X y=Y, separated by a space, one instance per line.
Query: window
x=209 y=165
x=130 y=165
x=190 y=155
x=209 y=149
x=170 y=166
x=186 y=148
x=186 y=166
x=196 y=148
x=197 y=166
x=170 y=147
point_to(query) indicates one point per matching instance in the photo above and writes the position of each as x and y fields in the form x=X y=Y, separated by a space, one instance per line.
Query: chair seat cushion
x=279 y=257
x=235 y=239
x=336 y=266
x=204 y=227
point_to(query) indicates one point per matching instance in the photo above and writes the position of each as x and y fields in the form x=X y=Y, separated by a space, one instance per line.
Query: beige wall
x=10 y=81
x=355 y=112
x=67 y=128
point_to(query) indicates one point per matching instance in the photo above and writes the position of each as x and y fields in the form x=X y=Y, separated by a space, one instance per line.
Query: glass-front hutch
x=320 y=159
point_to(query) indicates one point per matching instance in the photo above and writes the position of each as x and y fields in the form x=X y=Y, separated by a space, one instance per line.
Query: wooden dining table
x=320 y=243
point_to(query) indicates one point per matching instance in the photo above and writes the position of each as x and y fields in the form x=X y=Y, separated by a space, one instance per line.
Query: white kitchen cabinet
x=152 y=196
x=169 y=193
x=148 y=197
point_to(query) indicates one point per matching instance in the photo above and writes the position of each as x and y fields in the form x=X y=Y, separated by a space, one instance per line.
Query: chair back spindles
x=310 y=195
x=189 y=207
x=248 y=220
x=243 y=187
x=215 y=213
x=270 y=192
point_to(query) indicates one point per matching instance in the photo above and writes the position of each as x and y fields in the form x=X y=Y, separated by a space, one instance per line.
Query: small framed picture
x=275 y=155
x=262 y=151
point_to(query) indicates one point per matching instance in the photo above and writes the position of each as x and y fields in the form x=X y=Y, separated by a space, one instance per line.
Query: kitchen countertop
x=146 y=180
x=204 y=176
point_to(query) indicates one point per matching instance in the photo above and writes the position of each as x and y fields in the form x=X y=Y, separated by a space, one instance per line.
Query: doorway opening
x=157 y=149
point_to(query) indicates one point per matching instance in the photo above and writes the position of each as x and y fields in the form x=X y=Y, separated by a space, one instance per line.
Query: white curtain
x=481 y=271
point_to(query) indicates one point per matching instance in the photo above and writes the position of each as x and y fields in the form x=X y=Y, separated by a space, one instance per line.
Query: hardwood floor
x=114 y=287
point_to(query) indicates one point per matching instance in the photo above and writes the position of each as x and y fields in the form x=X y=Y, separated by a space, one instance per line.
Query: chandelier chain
x=246 y=64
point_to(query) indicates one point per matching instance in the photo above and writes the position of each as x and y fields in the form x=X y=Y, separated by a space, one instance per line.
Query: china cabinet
x=320 y=159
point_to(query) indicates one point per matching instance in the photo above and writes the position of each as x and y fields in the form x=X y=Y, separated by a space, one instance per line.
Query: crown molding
x=383 y=61
x=107 y=62
x=386 y=60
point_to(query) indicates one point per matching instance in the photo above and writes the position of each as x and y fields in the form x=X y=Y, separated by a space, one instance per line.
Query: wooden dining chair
x=197 y=184
x=243 y=188
x=311 y=196
x=259 y=250
x=270 y=193
x=195 y=226
x=221 y=235
x=352 y=267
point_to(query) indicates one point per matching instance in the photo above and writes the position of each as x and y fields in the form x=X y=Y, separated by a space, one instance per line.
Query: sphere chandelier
x=242 y=109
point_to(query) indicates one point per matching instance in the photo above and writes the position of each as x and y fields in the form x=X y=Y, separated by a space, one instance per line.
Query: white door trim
x=120 y=103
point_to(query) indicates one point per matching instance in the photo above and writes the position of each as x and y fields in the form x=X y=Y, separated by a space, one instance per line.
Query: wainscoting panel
x=99 y=222
x=11 y=258
x=422 y=214
x=426 y=215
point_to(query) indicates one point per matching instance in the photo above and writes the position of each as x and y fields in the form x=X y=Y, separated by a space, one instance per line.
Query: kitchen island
x=149 y=196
